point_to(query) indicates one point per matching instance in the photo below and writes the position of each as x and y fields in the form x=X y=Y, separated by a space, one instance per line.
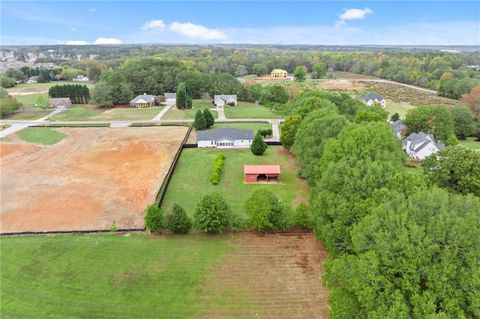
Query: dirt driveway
x=87 y=180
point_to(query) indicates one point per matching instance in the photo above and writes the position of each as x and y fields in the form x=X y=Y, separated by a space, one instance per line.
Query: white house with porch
x=421 y=145
x=143 y=100
x=225 y=138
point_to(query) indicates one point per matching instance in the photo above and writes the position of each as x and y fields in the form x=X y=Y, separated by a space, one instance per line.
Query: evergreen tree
x=200 y=122
x=208 y=117
x=184 y=98
x=258 y=146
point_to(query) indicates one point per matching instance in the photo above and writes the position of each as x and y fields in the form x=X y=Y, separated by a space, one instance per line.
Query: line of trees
x=78 y=93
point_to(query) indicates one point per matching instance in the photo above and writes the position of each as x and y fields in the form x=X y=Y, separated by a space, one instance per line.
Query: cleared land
x=471 y=143
x=245 y=110
x=28 y=112
x=91 y=112
x=190 y=180
x=175 y=114
x=90 y=178
x=240 y=275
x=23 y=89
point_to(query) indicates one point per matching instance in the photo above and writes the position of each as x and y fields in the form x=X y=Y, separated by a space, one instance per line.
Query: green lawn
x=40 y=135
x=190 y=180
x=106 y=276
x=39 y=87
x=30 y=99
x=176 y=114
x=398 y=107
x=28 y=113
x=77 y=113
x=471 y=143
x=249 y=111
x=88 y=112
x=244 y=126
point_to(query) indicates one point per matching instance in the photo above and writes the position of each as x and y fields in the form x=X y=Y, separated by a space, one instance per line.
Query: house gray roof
x=398 y=126
x=372 y=96
x=224 y=98
x=144 y=96
x=420 y=140
x=60 y=101
x=224 y=134
x=169 y=96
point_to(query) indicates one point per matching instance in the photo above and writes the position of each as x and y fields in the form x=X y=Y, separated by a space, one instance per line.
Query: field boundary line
x=53 y=232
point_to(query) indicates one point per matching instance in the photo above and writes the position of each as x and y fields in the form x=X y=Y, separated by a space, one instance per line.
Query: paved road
x=12 y=129
x=393 y=82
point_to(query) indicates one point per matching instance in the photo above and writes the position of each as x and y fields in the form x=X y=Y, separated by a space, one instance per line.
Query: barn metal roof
x=261 y=169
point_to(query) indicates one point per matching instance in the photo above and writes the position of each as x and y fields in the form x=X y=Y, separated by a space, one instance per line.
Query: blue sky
x=270 y=22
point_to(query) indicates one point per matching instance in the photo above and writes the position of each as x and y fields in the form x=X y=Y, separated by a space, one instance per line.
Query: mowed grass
x=41 y=87
x=244 y=126
x=470 y=143
x=398 y=107
x=90 y=112
x=246 y=110
x=190 y=180
x=106 y=276
x=40 y=135
x=176 y=114
x=77 y=112
x=31 y=99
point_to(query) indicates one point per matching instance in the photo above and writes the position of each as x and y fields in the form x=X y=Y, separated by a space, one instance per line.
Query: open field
x=349 y=75
x=471 y=143
x=90 y=178
x=23 y=89
x=40 y=135
x=175 y=114
x=190 y=180
x=242 y=275
x=398 y=107
x=31 y=99
x=27 y=113
x=91 y=112
x=245 y=110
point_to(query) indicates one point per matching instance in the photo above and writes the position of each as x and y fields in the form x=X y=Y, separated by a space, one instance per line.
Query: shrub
x=265 y=132
x=217 y=169
x=265 y=212
x=153 y=218
x=6 y=82
x=210 y=120
x=303 y=217
x=113 y=227
x=8 y=106
x=200 y=122
x=258 y=146
x=178 y=221
x=212 y=214
x=395 y=117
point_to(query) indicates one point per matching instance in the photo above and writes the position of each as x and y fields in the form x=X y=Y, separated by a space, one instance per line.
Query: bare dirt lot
x=87 y=180
x=269 y=276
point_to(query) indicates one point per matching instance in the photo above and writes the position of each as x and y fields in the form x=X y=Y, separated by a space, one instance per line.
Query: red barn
x=261 y=173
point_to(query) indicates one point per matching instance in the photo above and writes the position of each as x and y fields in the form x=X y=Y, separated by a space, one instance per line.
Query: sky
x=253 y=22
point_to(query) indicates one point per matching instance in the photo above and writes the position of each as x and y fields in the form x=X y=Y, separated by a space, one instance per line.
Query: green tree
x=435 y=120
x=319 y=70
x=395 y=117
x=210 y=120
x=8 y=106
x=258 y=146
x=260 y=69
x=300 y=73
x=303 y=216
x=455 y=168
x=121 y=93
x=154 y=218
x=265 y=212
x=212 y=214
x=462 y=121
x=224 y=83
x=288 y=129
x=371 y=114
x=102 y=94
x=200 y=123
x=184 y=98
x=7 y=82
x=178 y=221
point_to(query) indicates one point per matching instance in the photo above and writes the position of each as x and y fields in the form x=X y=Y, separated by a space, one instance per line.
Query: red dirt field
x=269 y=276
x=87 y=180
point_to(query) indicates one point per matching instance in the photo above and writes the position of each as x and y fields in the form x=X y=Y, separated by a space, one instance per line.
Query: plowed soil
x=269 y=276
x=87 y=180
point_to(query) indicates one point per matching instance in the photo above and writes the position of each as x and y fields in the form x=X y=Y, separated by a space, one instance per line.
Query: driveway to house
x=162 y=112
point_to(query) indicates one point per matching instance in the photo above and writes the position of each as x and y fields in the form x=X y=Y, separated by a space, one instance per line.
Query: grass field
x=471 y=143
x=28 y=113
x=175 y=114
x=77 y=113
x=398 y=107
x=249 y=111
x=90 y=112
x=191 y=178
x=30 y=99
x=244 y=126
x=40 y=135
x=40 y=87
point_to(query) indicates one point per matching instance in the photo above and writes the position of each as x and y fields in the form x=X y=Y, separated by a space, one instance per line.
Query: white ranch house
x=372 y=98
x=421 y=145
x=225 y=138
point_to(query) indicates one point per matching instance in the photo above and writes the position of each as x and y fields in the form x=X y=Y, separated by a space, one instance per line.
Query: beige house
x=279 y=74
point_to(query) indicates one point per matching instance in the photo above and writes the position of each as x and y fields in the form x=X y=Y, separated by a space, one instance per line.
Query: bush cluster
x=265 y=132
x=303 y=217
x=217 y=169
x=178 y=221
x=265 y=211
x=212 y=214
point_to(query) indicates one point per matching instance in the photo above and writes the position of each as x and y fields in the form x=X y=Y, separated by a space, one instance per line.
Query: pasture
x=241 y=275
x=245 y=110
x=87 y=180
x=190 y=181
x=90 y=112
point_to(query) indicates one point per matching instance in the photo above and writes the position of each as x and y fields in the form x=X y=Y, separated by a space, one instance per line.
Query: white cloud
x=353 y=14
x=76 y=42
x=153 y=25
x=196 y=31
x=92 y=10
x=107 y=41
x=74 y=29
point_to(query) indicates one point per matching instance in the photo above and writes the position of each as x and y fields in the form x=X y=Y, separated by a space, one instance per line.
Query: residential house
x=32 y=79
x=143 y=100
x=421 y=145
x=372 y=98
x=61 y=103
x=398 y=128
x=225 y=138
x=279 y=74
x=261 y=173
x=221 y=100
x=81 y=78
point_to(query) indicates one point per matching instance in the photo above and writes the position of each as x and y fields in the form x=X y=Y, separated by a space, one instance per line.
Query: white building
x=399 y=128
x=372 y=98
x=81 y=78
x=225 y=138
x=170 y=97
x=421 y=145
x=221 y=100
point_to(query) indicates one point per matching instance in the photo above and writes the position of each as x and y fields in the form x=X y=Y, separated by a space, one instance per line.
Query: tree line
x=78 y=93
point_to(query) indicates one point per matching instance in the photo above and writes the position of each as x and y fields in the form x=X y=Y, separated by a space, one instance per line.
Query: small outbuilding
x=261 y=173
x=60 y=103
x=143 y=100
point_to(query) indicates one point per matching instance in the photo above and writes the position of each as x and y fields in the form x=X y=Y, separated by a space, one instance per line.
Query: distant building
x=372 y=98
x=279 y=74
x=81 y=78
x=32 y=79
x=225 y=138
x=143 y=100
x=261 y=173
x=399 y=128
x=221 y=100
x=421 y=145
x=61 y=103
x=170 y=97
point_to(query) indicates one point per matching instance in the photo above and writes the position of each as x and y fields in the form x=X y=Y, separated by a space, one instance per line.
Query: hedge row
x=217 y=169
x=266 y=132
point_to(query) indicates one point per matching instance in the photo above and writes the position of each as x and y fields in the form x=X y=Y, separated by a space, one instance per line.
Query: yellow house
x=279 y=74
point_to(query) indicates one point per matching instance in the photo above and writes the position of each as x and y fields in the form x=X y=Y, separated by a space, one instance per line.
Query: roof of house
x=224 y=134
x=170 y=95
x=420 y=140
x=146 y=97
x=372 y=97
x=279 y=70
x=398 y=126
x=60 y=101
x=261 y=169
x=225 y=98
